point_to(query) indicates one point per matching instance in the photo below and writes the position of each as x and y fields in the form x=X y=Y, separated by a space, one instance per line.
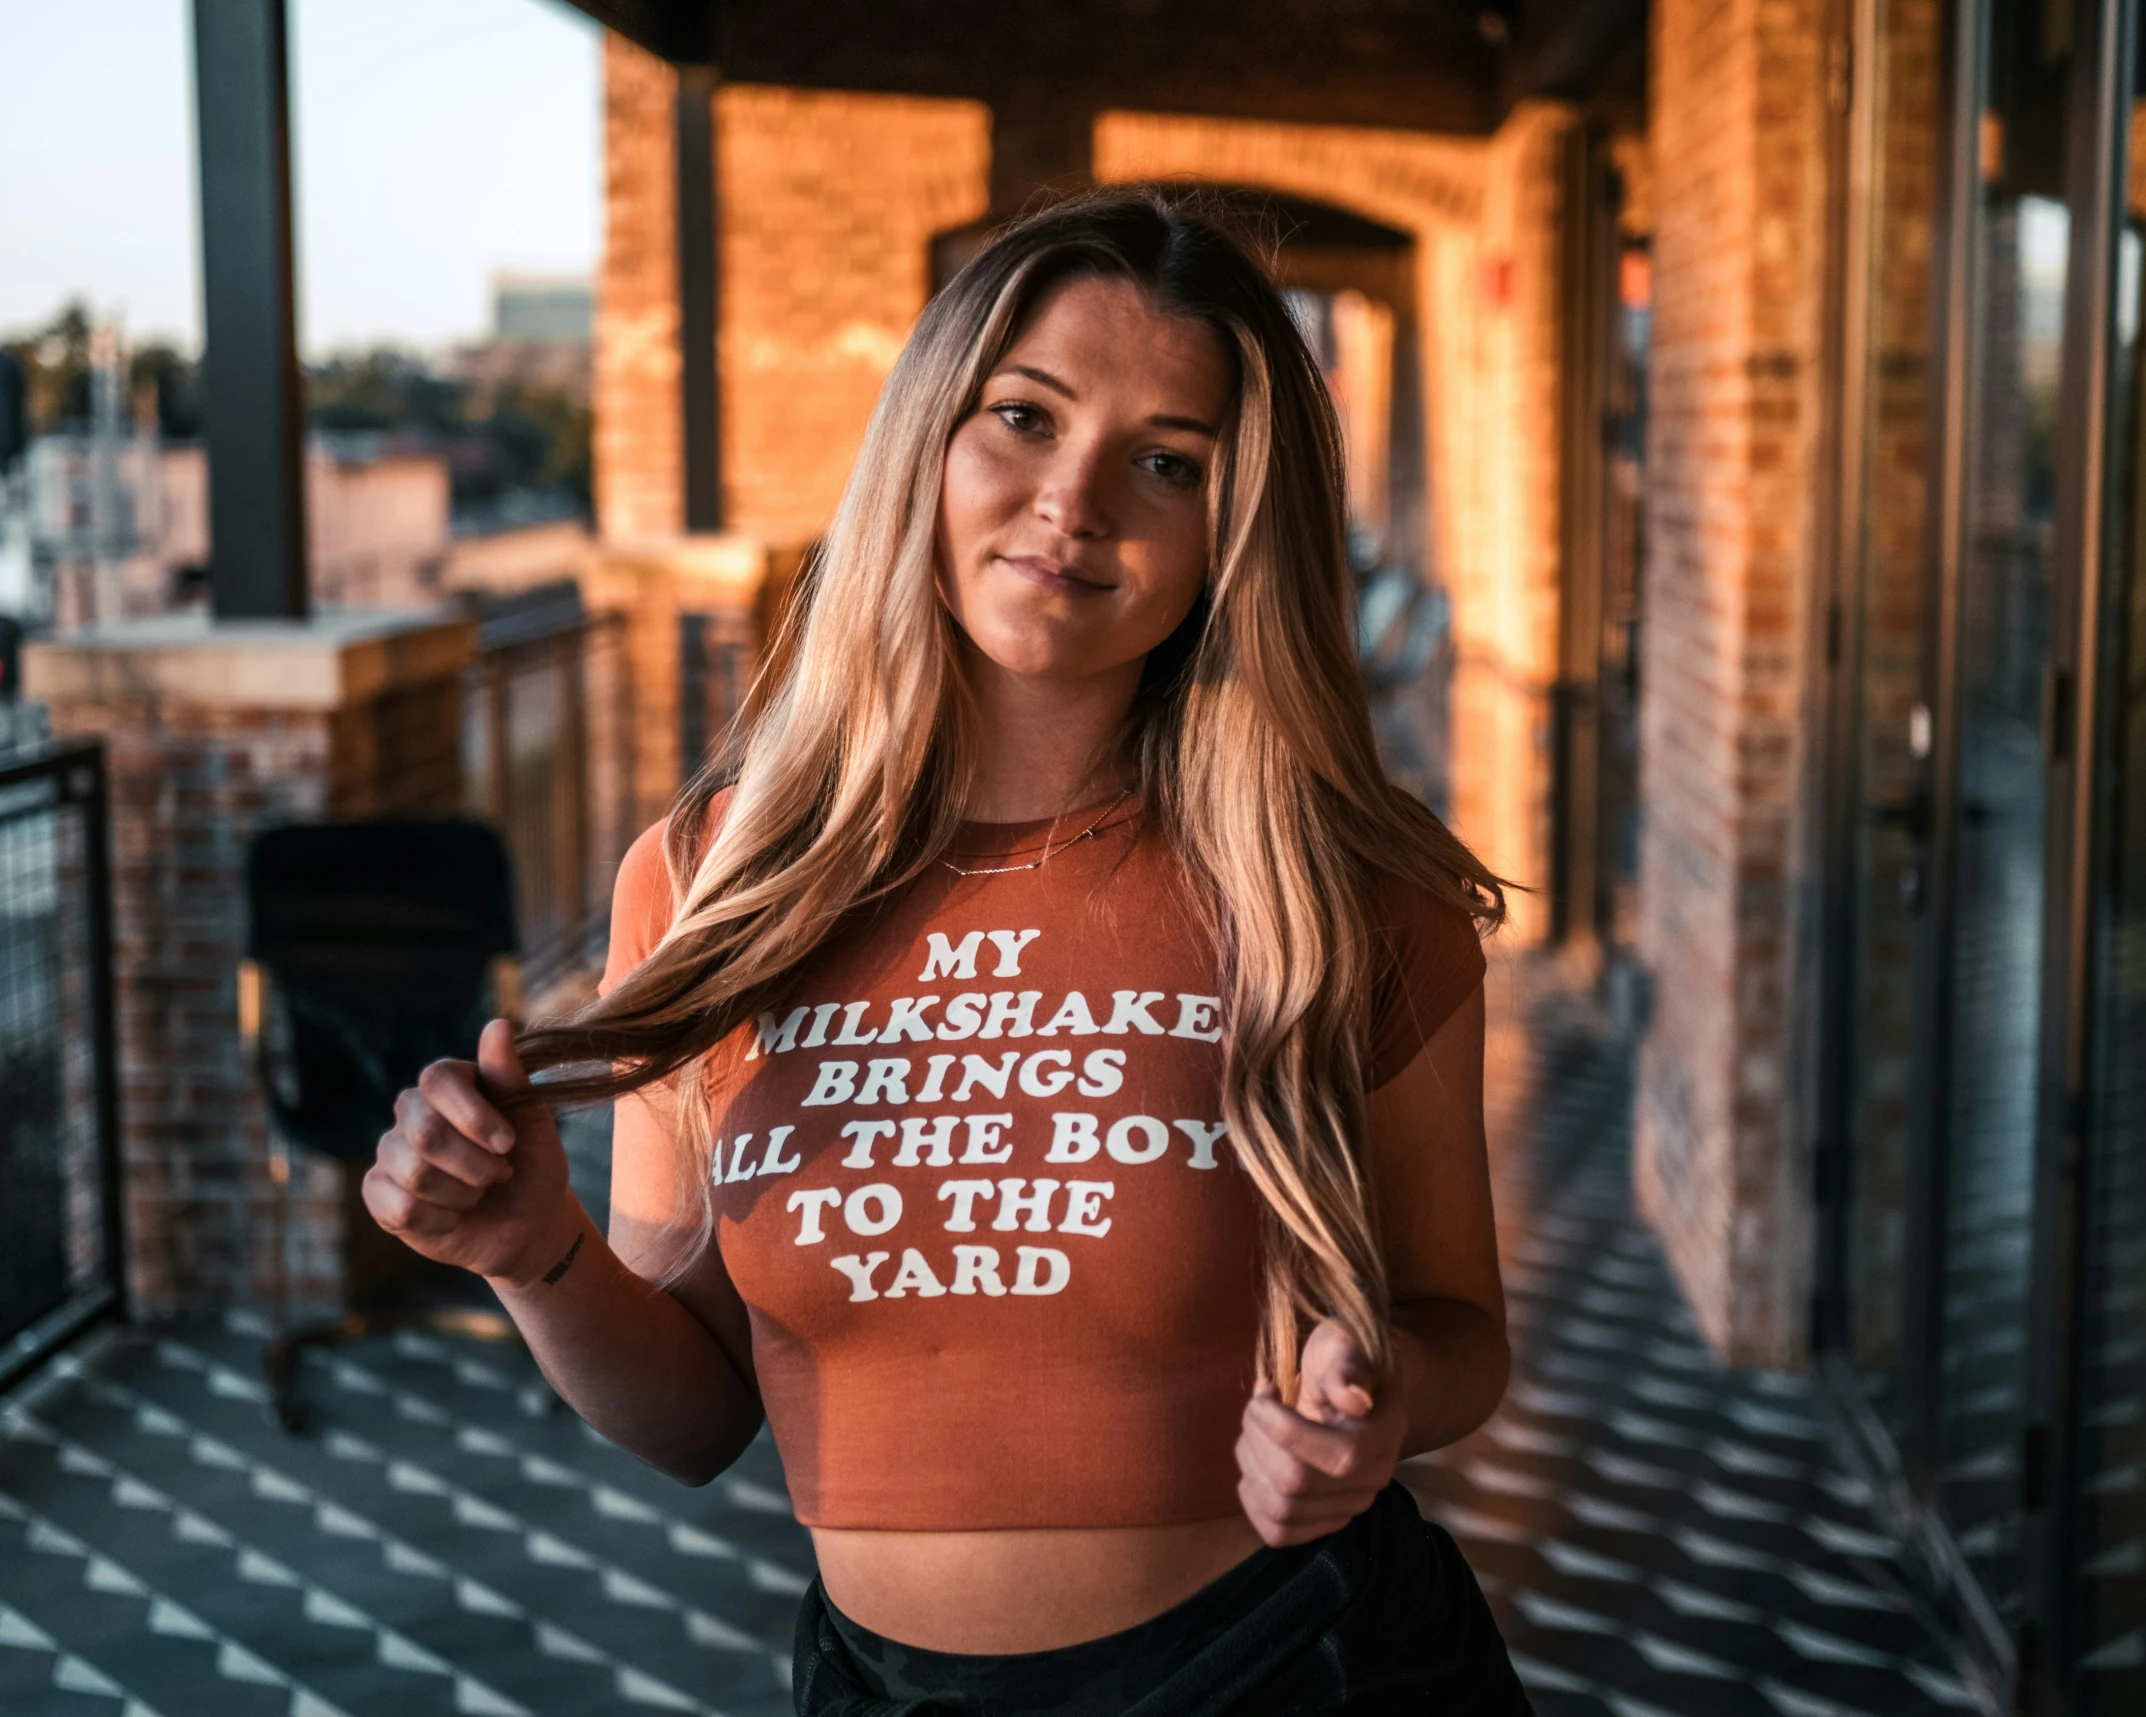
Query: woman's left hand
x=1307 y=1470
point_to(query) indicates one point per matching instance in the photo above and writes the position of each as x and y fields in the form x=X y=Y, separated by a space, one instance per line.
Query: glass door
x=1982 y=1303
x=2102 y=1591
x=2003 y=597
x=1879 y=634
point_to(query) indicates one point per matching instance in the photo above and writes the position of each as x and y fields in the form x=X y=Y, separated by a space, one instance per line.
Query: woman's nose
x=1070 y=498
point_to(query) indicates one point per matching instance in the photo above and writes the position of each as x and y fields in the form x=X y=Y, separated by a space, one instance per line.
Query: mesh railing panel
x=58 y=1253
x=547 y=756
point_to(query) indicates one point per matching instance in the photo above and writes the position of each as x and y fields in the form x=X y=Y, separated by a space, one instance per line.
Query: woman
x=1049 y=1061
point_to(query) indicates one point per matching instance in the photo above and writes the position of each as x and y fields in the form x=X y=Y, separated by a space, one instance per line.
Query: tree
x=55 y=369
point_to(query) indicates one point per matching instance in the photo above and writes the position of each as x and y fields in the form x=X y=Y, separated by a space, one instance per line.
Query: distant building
x=541 y=331
x=545 y=307
x=120 y=529
x=377 y=522
x=100 y=529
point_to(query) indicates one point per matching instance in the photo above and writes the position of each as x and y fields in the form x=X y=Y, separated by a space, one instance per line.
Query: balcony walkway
x=1658 y=1535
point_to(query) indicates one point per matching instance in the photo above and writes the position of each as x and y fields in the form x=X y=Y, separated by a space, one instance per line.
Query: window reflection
x=1890 y=631
x=2023 y=244
x=2109 y=1502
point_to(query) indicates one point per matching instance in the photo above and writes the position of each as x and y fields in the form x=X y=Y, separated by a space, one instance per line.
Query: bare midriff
x=1000 y=1593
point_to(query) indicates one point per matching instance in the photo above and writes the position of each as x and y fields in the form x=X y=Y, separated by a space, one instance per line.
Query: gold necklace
x=1037 y=864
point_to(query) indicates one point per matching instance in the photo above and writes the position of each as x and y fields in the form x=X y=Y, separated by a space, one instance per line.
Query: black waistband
x=1386 y=1602
x=1189 y=1624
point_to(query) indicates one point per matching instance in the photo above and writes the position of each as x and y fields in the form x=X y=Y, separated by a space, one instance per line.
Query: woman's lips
x=1052 y=576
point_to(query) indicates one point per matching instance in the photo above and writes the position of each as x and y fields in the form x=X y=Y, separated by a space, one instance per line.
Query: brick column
x=1502 y=469
x=1738 y=133
x=213 y=732
x=828 y=204
x=638 y=447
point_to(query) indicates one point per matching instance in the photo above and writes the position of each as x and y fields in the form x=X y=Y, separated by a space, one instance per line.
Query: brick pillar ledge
x=213 y=731
x=731 y=588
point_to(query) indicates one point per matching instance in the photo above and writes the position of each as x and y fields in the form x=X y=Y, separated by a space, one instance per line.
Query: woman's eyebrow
x=1161 y=420
x=1042 y=376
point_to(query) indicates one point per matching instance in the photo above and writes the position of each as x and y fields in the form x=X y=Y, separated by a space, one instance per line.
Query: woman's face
x=1073 y=521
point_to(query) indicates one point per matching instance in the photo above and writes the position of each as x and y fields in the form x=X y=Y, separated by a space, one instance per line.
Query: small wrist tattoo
x=564 y=1264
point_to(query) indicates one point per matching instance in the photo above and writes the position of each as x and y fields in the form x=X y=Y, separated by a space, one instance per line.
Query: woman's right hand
x=459 y=1182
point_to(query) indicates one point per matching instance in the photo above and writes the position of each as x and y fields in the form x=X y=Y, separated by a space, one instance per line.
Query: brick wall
x=187 y=791
x=190 y=784
x=1484 y=217
x=829 y=204
x=1739 y=223
x=826 y=206
x=638 y=427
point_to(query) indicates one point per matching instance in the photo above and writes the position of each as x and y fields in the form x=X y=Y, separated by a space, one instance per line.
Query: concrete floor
x=1657 y=1535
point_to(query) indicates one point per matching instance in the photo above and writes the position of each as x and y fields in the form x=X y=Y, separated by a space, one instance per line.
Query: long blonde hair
x=1250 y=738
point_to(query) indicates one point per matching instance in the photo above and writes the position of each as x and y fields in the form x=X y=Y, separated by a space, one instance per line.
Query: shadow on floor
x=1656 y=1533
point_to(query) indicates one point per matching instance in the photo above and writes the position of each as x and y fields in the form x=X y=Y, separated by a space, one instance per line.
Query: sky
x=435 y=141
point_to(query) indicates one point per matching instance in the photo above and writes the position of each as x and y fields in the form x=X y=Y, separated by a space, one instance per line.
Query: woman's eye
x=1025 y=419
x=1174 y=469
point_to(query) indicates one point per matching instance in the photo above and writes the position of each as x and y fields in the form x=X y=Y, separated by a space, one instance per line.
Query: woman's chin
x=1030 y=655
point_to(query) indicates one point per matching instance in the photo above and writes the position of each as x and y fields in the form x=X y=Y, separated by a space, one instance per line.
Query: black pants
x=1382 y=1616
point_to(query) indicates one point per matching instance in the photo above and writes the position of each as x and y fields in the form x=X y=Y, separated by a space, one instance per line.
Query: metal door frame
x=2077 y=841
x=1841 y=533
x=1901 y=1473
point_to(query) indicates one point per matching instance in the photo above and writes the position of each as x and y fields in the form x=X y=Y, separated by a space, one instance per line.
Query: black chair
x=373 y=949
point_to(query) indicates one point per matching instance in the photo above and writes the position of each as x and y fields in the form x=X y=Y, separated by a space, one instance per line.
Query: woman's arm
x=1311 y=1467
x=1431 y=1165
x=665 y=1375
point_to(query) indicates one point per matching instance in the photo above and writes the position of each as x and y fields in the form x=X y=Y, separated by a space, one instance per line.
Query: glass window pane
x=2023 y=240
x=2109 y=1604
x=1891 y=739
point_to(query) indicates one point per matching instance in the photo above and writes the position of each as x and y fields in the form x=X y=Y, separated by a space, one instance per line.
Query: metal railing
x=546 y=737
x=715 y=656
x=62 y=1258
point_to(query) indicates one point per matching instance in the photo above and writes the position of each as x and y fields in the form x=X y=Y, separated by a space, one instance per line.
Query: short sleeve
x=1429 y=961
x=640 y=907
x=641 y=903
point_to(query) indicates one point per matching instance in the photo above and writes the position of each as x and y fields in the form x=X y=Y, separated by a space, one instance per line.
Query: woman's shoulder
x=1401 y=906
x=643 y=899
x=1428 y=959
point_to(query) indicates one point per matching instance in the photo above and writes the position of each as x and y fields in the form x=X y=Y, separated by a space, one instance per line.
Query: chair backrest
x=378 y=939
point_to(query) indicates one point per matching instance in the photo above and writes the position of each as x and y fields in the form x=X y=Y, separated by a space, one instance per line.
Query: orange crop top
x=974 y=1191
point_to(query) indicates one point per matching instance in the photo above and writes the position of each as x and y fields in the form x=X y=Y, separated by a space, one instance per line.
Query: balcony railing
x=546 y=754
x=60 y=1247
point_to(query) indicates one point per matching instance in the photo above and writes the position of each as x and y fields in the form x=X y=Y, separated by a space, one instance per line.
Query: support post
x=1042 y=143
x=253 y=406
x=698 y=285
x=1588 y=241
